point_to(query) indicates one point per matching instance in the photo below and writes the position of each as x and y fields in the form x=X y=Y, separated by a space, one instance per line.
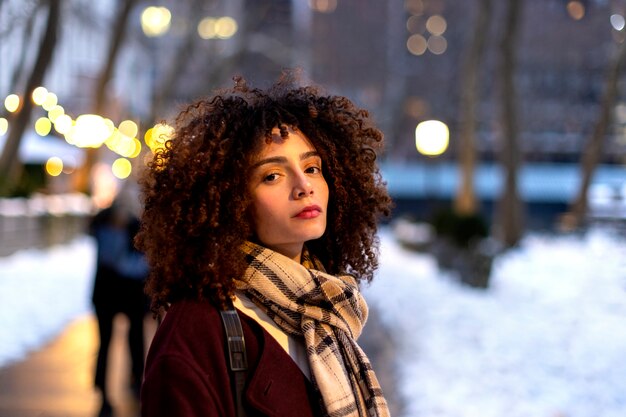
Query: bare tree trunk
x=178 y=63
x=18 y=71
x=118 y=34
x=510 y=211
x=10 y=166
x=465 y=201
x=593 y=148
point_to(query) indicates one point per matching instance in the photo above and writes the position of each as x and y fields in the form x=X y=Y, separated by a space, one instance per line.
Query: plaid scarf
x=329 y=313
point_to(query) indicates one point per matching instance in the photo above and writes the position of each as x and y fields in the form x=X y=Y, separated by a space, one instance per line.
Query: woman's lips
x=309 y=212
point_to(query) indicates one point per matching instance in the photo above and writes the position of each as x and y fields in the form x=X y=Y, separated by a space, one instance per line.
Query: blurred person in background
x=119 y=281
x=266 y=201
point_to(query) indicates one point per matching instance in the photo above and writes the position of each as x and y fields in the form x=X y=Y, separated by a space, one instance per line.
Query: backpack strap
x=237 y=360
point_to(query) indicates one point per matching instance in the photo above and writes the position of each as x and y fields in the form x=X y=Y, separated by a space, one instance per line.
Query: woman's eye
x=313 y=170
x=270 y=177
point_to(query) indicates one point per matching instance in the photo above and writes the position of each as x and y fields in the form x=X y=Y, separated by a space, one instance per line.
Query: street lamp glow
x=432 y=137
x=155 y=21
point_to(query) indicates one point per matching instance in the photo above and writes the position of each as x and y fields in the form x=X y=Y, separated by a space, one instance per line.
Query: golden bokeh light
x=125 y=146
x=576 y=9
x=50 y=101
x=4 y=126
x=155 y=21
x=128 y=128
x=55 y=112
x=54 y=166
x=323 y=6
x=415 y=24
x=417 y=44
x=432 y=137
x=206 y=28
x=137 y=150
x=121 y=168
x=415 y=7
x=157 y=136
x=63 y=124
x=225 y=27
x=43 y=126
x=39 y=95
x=436 y=25
x=12 y=103
x=89 y=131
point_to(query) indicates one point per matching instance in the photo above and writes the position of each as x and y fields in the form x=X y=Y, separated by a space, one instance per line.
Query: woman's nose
x=302 y=187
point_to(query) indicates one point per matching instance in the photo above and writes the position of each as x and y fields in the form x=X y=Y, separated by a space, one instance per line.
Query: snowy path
x=548 y=339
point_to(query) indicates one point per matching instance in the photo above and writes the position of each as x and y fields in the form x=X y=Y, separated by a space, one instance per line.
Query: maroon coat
x=187 y=372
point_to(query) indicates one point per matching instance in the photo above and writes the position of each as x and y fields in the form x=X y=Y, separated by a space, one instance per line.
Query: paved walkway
x=57 y=380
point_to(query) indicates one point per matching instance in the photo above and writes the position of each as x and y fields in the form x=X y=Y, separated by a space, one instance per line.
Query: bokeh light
x=432 y=137
x=576 y=9
x=128 y=128
x=437 y=45
x=206 y=28
x=43 y=126
x=618 y=22
x=55 y=112
x=225 y=27
x=39 y=95
x=50 y=101
x=222 y=28
x=157 y=136
x=436 y=25
x=54 y=166
x=4 y=126
x=12 y=103
x=323 y=6
x=417 y=44
x=415 y=7
x=415 y=24
x=89 y=131
x=155 y=21
x=121 y=168
x=63 y=124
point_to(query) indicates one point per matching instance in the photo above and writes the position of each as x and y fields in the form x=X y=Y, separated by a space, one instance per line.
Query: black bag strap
x=237 y=359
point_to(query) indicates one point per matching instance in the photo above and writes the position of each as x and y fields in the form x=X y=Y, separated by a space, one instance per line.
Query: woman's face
x=289 y=194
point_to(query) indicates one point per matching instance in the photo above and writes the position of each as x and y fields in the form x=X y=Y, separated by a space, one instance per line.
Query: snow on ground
x=548 y=339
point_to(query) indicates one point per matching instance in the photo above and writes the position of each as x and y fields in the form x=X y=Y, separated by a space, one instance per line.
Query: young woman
x=268 y=200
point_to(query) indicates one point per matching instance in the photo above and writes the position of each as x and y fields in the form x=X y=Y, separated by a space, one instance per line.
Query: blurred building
x=402 y=60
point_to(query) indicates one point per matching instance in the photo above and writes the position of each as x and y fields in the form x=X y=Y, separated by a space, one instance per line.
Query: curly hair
x=196 y=201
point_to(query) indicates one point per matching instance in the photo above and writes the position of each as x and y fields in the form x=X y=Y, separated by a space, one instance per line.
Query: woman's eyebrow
x=283 y=160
